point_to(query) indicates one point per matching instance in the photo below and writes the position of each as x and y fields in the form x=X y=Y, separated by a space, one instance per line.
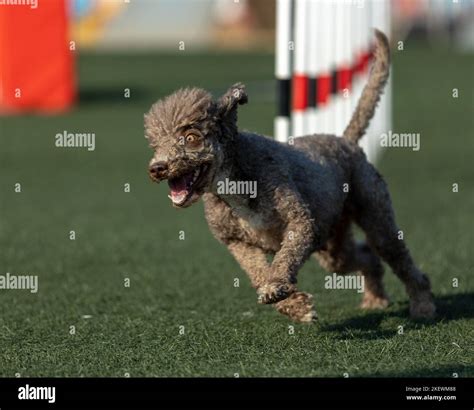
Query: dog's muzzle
x=158 y=171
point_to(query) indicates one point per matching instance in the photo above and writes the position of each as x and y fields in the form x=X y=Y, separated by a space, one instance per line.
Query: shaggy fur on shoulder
x=309 y=195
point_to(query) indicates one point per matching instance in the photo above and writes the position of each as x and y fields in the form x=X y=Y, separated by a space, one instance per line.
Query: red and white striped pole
x=300 y=77
x=345 y=71
x=325 y=50
x=283 y=68
x=342 y=65
x=312 y=120
x=321 y=79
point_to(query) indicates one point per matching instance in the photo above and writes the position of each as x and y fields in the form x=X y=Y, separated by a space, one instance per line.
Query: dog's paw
x=422 y=306
x=274 y=292
x=374 y=302
x=298 y=307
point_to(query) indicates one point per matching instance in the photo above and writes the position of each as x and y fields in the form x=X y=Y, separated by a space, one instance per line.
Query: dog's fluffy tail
x=373 y=89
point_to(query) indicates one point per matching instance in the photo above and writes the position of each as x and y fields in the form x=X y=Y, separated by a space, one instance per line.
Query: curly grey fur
x=303 y=206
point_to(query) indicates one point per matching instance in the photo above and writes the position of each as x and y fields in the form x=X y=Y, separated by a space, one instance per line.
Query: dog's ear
x=227 y=104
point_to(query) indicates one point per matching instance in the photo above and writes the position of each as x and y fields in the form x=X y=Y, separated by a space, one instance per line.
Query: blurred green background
x=190 y=282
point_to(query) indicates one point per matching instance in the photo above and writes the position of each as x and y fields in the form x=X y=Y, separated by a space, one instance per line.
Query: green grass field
x=190 y=282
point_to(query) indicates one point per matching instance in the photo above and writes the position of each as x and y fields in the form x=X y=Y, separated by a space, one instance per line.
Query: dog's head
x=190 y=132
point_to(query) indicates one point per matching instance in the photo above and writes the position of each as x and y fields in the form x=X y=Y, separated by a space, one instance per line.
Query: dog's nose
x=157 y=170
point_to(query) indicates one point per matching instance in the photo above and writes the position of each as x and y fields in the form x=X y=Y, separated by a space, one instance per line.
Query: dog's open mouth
x=183 y=188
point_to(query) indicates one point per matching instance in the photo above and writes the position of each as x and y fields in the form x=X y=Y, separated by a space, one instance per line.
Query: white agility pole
x=312 y=120
x=300 y=77
x=345 y=68
x=331 y=42
x=339 y=58
x=283 y=68
x=320 y=66
x=356 y=51
x=325 y=54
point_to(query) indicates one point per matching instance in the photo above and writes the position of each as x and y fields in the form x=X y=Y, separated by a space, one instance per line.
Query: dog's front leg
x=252 y=260
x=298 y=307
x=297 y=245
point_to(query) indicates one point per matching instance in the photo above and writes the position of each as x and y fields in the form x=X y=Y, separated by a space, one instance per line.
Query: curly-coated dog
x=309 y=194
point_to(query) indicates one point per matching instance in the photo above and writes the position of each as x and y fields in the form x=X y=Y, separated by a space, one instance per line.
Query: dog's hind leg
x=343 y=255
x=372 y=269
x=375 y=216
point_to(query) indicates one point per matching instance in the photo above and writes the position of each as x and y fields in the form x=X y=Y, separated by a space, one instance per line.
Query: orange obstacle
x=36 y=64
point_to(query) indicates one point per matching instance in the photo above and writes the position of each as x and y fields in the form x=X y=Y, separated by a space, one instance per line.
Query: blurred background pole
x=36 y=61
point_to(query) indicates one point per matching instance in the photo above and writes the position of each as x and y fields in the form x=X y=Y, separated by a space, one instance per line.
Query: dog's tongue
x=179 y=188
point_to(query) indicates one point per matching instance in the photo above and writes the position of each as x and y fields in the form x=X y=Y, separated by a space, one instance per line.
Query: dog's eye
x=193 y=140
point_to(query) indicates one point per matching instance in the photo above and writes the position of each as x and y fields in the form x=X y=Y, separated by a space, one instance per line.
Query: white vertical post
x=324 y=66
x=330 y=47
x=284 y=28
x=300 y=77
x=312 y=119
x=346 y=66
x=340 y=23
